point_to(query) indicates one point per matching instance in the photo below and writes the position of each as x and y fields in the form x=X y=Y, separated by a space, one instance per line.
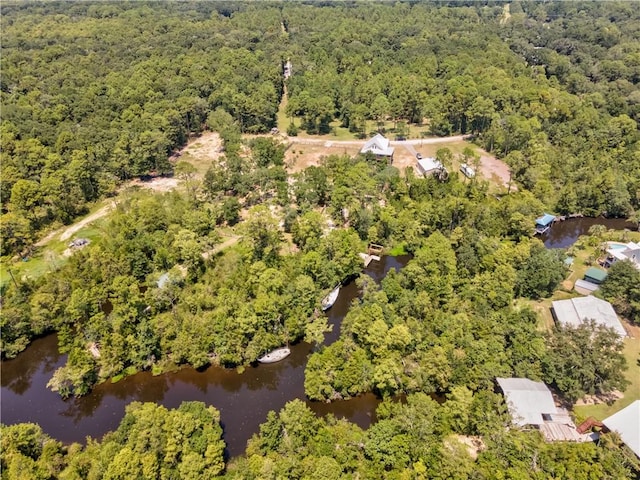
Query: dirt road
x=353 y=143
x=86 y=221
x=218 y=248
x=160 y=184
x=67 y=232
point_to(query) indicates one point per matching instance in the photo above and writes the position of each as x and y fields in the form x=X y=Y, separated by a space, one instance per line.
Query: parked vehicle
x=467 y=170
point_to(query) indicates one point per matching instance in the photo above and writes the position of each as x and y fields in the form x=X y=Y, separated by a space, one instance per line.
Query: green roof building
x=595 y=275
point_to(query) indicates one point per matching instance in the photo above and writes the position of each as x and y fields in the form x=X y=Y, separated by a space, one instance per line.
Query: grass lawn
x=543 y=308
x=45 y=259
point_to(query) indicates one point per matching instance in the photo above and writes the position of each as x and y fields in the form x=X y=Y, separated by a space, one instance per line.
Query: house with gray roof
x=531 y=404
x=627 y=423
x=576 y=311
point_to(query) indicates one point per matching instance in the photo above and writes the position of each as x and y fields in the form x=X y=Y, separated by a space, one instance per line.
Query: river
x=564 y=234
x=244 y=399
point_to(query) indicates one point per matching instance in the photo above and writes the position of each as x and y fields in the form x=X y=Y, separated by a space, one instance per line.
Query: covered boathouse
x=544 y=222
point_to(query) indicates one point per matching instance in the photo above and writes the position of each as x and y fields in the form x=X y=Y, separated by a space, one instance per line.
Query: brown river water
x=564 y=234
x=244 y=399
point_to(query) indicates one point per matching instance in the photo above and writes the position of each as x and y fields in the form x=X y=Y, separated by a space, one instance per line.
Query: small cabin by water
x=544 y=222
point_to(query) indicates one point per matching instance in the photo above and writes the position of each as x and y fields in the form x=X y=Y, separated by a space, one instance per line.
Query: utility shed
x=595 y=275
x=575 y=311
x=527 y=400
x=627 y=423
x=585 y=288
x=429 y=165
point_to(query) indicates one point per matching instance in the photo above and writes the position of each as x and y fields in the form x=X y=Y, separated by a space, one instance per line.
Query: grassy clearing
x=338 y=132
x=46 y=259
x=298 y=156
x=397 y=250
x=543 y=308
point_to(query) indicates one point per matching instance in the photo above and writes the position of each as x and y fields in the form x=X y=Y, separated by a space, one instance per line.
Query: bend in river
x=244 y=399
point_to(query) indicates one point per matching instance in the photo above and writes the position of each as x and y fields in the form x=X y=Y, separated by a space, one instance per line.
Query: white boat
x=329 y=300
x=275 y=355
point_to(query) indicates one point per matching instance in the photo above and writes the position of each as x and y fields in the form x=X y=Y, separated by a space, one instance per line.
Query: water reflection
x=564 y=234
x=19 y=374
x=244 y=399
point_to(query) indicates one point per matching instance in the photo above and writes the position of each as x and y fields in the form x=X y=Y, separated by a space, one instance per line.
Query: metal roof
x=545 y=219
x=378 y=145
x=566 y=313
x=627 y=423
x=588 y=287
x=527 y=400
x=429 y=164
x=576 y=310
x=596 y=274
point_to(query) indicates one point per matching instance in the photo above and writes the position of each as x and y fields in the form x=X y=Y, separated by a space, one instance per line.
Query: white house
x=531 y=404
x=627 y=423
x=379 y=146
x=621 y=251
x=576 y=311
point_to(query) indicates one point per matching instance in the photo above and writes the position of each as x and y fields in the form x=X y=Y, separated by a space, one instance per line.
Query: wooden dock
x=367 y=259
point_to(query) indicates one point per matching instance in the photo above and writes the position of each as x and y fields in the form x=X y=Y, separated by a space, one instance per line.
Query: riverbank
x=243 y=398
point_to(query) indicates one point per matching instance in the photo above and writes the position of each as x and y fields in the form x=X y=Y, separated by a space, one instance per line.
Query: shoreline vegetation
x=241 y=236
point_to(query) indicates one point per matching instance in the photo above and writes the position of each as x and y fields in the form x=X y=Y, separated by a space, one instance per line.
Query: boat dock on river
x=374 y=252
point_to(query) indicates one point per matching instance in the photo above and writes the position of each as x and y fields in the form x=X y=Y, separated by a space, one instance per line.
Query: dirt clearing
x=158 y=184
x=300 y=156
x=303 y=153
x=495 y=170
x=201 y=151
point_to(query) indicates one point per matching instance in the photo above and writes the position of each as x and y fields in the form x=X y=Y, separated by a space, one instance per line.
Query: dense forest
x=419 y=439
x=94 y=94
x=97 y=93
